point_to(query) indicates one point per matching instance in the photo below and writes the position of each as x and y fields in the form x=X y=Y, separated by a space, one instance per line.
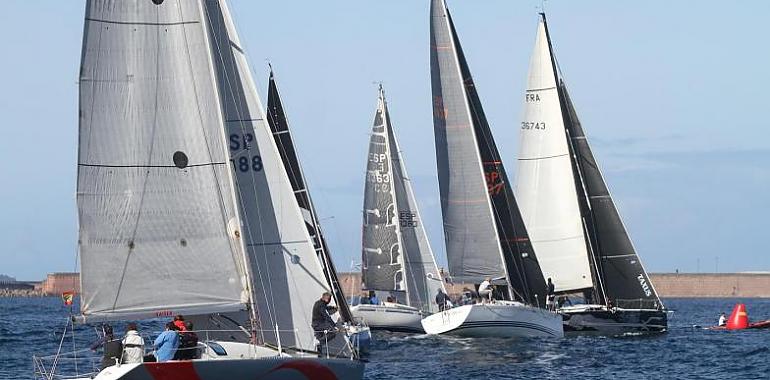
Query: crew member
x=113 y=348
x=442 y=300
x=551 y=295
x=485 y=290
x=722 y=319
x=323 y=325
x=133 y=345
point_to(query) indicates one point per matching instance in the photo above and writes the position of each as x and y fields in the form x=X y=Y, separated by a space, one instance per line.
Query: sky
x=672 y=96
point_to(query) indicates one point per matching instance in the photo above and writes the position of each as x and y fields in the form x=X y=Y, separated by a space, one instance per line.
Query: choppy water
x=29 y=326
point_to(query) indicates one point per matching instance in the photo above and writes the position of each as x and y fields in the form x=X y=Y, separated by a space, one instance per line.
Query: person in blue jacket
x=166 y=343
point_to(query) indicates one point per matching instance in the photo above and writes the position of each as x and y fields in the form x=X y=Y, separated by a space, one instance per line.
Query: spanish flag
x=67 y=297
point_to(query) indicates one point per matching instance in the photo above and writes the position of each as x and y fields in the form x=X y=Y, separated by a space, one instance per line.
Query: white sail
x=287 y=277
x=545 y=184
x=157 y=216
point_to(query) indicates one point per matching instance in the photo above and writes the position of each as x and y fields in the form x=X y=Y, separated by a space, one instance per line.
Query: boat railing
x=86 y=362
x=639 y=303
x=79 y=364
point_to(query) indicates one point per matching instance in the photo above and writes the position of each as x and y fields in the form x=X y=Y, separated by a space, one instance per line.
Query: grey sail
x=472 y=245
x=279 y=125
x=287 y=277
x=624 y=278
x=381 y=250
x=420 y=273
x=159 y=231
x=458 y=144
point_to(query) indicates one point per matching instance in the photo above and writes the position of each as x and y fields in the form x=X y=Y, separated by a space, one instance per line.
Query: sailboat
x=184 y=202
x=279 y=125
x=484 y=232
x=398 y=263
x=573 y=221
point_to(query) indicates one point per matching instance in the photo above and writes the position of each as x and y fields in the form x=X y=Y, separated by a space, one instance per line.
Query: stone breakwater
x=21 y=293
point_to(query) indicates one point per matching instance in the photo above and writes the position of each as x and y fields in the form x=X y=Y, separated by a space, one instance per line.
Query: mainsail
x=392 y=222
x=618 y=275
x=545 y=185
x=279 y=125
x=159 y=227
x=287 y=276
x=484 y=232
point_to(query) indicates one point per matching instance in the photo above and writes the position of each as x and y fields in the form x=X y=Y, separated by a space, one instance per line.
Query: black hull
x=613 y=323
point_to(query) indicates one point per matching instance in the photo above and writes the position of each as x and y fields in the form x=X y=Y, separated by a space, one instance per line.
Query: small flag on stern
x=67 y=297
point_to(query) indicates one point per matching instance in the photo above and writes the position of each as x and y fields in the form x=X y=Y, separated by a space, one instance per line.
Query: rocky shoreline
x=13 y=293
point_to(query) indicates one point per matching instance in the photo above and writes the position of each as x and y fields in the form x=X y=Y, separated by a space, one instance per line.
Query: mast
x=279 y=126
x=481 y=216
x=620 y=277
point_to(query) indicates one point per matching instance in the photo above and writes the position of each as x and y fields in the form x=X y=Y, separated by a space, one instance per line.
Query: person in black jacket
x=323 y=325
x=113 y=348
x=442 y=299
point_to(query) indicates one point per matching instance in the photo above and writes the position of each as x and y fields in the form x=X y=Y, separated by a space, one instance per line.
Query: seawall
x=715 y=285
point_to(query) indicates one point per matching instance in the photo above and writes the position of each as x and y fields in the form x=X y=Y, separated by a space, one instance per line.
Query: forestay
x=545 y=186
x=159 y=230
x=472 y=243
x=286 y=274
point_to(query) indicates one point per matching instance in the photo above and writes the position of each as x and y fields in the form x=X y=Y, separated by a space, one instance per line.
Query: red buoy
x=739 y=319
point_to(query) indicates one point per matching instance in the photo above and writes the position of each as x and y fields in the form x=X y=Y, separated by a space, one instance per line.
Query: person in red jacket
x=179 y=323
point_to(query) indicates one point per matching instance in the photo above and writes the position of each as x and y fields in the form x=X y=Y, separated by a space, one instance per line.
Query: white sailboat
x=184 y=202
x=575 y=227
x=397 y=260
x=485 y=235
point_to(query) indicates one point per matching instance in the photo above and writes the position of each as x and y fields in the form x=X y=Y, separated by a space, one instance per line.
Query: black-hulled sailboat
x=573 y=222
x=398 y=264
x=484 y=232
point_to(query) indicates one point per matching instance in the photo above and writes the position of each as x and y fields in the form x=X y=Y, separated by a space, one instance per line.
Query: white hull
x=499 y=319
x=389 y=316
x=241 y=361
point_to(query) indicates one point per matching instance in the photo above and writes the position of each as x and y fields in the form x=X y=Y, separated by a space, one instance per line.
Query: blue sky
x=672 y=96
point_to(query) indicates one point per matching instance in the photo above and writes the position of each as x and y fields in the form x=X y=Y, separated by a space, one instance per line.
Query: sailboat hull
x=500 y=319
x=237 y=369
x=390 y=317
x=587 y=320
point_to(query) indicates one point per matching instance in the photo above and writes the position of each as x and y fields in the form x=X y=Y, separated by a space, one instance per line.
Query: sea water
x=30 y=326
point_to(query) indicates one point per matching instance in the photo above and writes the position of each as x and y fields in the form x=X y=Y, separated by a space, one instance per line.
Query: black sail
x=625 y=281
x=521 y=266
x=280 y=128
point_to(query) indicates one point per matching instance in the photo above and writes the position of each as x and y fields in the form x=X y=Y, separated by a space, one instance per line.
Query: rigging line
x=131 y=244
x=245 y=220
